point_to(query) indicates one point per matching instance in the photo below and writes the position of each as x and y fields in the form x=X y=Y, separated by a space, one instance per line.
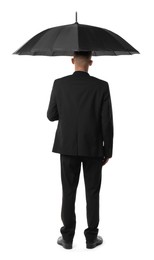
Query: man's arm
x=107 y=123
x=52 y=112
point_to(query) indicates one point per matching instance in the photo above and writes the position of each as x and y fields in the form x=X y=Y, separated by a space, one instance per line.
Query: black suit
x=82 y=104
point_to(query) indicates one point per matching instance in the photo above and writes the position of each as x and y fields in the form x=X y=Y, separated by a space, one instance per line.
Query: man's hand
x=105 y=160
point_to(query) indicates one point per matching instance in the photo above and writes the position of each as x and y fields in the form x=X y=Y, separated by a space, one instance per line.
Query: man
x=82 y=104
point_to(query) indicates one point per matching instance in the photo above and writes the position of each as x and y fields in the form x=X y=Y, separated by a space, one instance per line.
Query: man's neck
x=81 y=69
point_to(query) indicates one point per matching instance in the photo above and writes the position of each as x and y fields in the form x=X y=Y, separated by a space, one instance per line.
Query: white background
x=30 y=184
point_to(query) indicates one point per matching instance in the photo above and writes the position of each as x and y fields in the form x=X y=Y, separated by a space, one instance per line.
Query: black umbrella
x=64 y=40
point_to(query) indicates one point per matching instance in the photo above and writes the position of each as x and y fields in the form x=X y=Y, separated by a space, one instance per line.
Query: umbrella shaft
x=76 y=17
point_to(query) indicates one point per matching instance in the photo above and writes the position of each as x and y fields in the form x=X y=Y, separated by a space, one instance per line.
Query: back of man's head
x=83 y=54
x=82 y=59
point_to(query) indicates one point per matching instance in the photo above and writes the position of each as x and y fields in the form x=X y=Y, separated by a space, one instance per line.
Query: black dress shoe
x=97 y=242
x=62 y=242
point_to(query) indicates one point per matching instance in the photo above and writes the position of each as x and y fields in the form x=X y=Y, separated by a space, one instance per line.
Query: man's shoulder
x=101 y=81
x=92 y=78
x=63 y=78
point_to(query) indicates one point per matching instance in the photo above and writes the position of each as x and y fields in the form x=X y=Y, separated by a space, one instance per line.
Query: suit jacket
x=82 y=104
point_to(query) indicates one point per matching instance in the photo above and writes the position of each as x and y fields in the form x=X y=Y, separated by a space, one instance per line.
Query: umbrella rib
x=108 y=32
x=56 y=40
x=58 y=36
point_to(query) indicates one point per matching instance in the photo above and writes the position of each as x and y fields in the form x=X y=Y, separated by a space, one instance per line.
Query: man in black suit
x=82 y=104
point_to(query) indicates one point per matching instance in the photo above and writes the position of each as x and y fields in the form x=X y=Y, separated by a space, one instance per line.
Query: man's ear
x=91 y=62
x=72 y=60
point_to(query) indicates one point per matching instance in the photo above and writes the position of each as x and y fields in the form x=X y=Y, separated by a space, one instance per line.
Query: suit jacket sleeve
x=52 y=112
x=107 y=123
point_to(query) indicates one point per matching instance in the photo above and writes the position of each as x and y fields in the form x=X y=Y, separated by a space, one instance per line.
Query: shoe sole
x=66 y=246
x=91 y=246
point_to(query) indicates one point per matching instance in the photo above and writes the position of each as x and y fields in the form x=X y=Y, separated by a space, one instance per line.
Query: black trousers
x=70 y=172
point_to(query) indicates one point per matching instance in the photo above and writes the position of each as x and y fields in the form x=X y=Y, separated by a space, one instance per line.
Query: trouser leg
x=70 y=171
x=92 y=168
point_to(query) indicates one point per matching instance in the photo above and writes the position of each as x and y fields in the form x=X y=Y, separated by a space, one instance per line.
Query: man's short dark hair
x=86 y=54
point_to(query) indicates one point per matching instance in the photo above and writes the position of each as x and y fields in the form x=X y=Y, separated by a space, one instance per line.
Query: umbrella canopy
x=64 y=40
